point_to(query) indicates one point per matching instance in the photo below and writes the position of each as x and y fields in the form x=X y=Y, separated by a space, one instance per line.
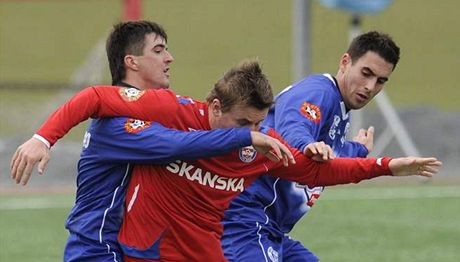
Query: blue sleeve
x=353 y=149
x=123 y=139
x=300 y=113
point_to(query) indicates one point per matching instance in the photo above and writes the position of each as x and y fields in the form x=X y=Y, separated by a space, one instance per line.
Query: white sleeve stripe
x=42 y=139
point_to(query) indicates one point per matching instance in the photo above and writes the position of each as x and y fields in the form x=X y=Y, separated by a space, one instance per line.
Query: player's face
x=361 y=80
x=154 y=62
x=238 y=116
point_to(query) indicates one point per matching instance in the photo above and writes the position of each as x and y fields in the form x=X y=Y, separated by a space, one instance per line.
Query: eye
x=366 y=73
x=381 y=81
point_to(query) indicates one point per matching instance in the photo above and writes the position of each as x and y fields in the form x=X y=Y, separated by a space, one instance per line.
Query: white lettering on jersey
x=334 y=126
x=345 y=132
x=193 y=173
x=86 y=139
x=272 y=254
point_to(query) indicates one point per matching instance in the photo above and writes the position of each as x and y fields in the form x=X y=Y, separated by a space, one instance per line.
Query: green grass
x=348 y=225
x=33 y=234
x=356 y=223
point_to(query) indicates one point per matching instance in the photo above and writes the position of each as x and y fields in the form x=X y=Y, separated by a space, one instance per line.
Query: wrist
x=43 y=140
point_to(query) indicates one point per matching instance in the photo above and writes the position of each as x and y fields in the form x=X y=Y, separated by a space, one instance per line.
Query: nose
x=169 y=57
x=371 y=84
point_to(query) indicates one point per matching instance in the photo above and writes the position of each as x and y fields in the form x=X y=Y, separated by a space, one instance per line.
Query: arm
x=301 y=112
x=134 y=141
x=352 y=170
x=104 y=101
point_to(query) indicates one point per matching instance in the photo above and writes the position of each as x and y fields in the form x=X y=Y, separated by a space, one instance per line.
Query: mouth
x=166 y=72
x=362 y=97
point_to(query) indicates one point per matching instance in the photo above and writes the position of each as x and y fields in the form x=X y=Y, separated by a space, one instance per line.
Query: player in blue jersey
x=139 y=59
x=313 y=116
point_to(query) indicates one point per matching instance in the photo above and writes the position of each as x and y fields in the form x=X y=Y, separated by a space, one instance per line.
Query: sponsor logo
x=272 y=254
x=130 y=94
x=247 y=154
x=312 y=193
x=134 y=125
x=311 y=111
x=205 y=178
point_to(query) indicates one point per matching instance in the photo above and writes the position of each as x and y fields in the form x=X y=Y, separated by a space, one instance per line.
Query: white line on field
x=393 y=193
x=33 y=203
x=349 y=193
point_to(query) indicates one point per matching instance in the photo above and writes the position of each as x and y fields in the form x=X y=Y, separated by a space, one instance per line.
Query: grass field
x=355 y=223
x=44 y=41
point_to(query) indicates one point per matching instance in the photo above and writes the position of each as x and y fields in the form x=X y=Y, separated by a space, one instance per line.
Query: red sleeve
x=108 y=101
x=333 y=172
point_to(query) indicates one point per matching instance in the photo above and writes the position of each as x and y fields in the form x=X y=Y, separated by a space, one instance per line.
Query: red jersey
x=173 y=212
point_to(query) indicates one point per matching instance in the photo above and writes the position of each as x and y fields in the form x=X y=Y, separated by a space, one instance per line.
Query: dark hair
x=128 y=38
x=380 y=43
x=244 y=84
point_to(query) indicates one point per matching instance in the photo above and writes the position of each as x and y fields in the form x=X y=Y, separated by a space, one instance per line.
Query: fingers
x=13 y=160
x=26 y=157
x=319 y=150
x=369 y=144
x=42 y=165
x=286 y=154
x=370 y=132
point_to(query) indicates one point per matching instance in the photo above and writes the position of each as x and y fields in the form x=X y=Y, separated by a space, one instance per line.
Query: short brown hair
x=244 y=84
x=377 y=42
x=128 y=38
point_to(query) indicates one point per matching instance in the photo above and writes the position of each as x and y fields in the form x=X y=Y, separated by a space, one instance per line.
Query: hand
x=319 y=151
x=272 y=148
x=411 y=166
x=366 y=138
x=25 y=158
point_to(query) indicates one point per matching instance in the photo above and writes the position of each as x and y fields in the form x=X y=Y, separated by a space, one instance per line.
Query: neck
x=138 y=83
x=340 y=81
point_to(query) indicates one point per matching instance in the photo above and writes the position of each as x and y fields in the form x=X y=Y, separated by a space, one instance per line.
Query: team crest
x=130 y=94
x=247 y=154
x=311 y=111
x=134 y=125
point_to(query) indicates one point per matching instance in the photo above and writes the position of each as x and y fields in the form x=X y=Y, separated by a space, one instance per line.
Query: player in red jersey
x=173 y=212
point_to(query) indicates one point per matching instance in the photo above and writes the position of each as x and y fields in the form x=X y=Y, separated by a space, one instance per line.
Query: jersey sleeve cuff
x=42 y=139
x=243 y=136
x=382 y=167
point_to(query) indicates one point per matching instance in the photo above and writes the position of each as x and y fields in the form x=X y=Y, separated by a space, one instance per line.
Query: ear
x=216 y=108
x=131 y=62
x=344 y=61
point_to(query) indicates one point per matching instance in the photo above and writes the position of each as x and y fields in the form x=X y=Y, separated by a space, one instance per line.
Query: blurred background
x=50 y=49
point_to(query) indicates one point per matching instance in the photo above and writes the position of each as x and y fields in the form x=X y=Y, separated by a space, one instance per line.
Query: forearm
x=337 y=171
x=156 y=144
x=106 y=101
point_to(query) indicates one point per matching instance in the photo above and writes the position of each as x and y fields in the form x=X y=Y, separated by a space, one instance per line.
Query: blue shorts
x=243 y=242
x=79 y=248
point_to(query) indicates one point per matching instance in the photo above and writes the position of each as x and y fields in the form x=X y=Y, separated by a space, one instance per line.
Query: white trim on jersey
x=107 y=210
x=260 y=241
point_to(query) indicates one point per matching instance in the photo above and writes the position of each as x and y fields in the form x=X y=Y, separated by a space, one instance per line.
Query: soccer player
x=138 y=57
x=173 y=211
x=313 y=116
